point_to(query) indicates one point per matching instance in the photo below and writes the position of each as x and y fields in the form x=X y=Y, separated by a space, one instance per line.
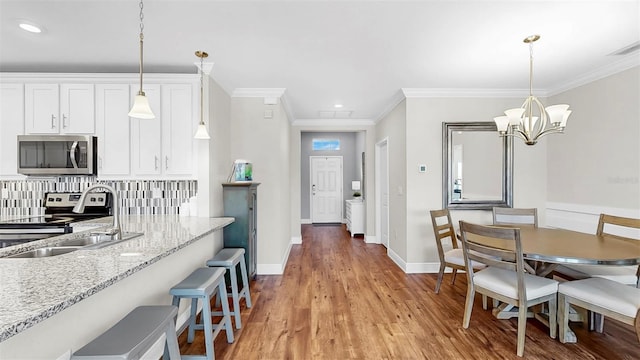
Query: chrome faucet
x=116 y=231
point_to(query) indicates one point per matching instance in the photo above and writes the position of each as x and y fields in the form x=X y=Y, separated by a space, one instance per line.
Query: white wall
x=214 y=162
x=420 y=142
x=601 y=143
x=394 y=127
x=266 y=143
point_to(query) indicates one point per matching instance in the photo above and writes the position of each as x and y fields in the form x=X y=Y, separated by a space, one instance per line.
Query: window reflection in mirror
x=477 y=166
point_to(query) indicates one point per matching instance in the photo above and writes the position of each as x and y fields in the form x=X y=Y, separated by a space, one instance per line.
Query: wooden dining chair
x=515 y=216
x=452 y=258
x=599 y=295
x=504 y=279
x=628 y=275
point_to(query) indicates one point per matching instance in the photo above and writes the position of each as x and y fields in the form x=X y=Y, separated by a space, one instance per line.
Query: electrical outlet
x=422 y=168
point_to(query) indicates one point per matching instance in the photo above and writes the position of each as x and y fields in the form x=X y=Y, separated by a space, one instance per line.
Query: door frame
x=341 y=182
x=378 y=180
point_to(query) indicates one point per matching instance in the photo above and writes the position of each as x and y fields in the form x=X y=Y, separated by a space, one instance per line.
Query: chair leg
x=468 y=306
x=522 y=327
x=454 y=272
x=440 y=275
x=599 y=322
x=496 y=303
x=553 y=316
x=563 y=317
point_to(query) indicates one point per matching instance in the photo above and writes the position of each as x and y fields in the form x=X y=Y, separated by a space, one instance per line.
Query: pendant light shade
x=141 y=108
x=202 y=133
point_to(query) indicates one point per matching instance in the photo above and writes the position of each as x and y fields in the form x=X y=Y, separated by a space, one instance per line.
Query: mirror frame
x=447 y=153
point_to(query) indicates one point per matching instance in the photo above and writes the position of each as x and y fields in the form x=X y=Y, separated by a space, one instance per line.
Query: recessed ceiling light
x=337 y=106
x=30 y=27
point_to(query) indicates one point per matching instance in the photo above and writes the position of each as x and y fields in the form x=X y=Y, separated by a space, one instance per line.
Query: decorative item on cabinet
x=240 y=201
x=355 y=216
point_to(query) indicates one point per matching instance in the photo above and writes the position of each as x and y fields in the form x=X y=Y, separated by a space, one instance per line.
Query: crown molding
x=96 y=77
x=258 y=92
x=333 y=123
x=207 y=67
x=626 y=63
x=457 y=93
x=280 y=93
x=397 y=98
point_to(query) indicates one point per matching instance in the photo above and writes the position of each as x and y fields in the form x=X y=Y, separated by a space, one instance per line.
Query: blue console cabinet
x=241 y=202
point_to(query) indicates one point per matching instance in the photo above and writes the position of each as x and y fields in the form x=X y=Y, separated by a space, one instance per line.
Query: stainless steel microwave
x=57 y=154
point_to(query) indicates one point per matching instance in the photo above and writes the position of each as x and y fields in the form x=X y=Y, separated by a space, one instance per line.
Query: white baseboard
x=424 y=268
x=305 y=221
x=275 y=269
x=296 y=240
x=371 y=239
x=397 y=259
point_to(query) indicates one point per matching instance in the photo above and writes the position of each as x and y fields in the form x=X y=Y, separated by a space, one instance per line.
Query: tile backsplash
x=26 y=197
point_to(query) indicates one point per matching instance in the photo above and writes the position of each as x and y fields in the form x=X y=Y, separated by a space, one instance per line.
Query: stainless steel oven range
x=57 y=218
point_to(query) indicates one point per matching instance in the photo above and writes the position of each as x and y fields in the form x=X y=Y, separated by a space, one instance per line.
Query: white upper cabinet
x=42 y=109
x=11 y=125
x=164 y=145
x=112 y=130
x=77 y=109
x=59 y=109
x=177 y=129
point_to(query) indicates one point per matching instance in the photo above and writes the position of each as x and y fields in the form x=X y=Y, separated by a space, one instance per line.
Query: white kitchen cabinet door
x=42 y=108
x=113 y=130
x=177 y=129
x=146 y=135
x=77 y=110
x=11 y=125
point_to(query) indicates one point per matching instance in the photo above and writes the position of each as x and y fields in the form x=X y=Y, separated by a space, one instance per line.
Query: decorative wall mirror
x=477 y=166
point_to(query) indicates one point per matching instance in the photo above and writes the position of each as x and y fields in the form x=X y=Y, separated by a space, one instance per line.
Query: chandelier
x=141 y=108
x=532 y=121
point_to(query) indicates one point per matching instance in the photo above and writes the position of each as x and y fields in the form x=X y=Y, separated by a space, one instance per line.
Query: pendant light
x=201 y=133
x=141 y=108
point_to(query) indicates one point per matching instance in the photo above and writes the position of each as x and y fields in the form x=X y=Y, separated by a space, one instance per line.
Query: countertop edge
x=20 y=326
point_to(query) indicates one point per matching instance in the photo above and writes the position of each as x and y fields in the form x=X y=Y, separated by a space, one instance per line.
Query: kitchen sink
x=45 y=252
x=98 y=241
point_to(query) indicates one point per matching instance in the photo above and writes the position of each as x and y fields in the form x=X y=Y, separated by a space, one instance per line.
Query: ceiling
x=356 y=53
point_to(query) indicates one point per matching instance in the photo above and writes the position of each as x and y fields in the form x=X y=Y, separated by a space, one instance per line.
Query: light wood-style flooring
x=340 y=298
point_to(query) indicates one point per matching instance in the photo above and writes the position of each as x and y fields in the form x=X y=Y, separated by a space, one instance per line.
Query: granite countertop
x=32 y=290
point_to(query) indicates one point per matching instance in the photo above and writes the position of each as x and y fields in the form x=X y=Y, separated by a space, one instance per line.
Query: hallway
x=340 y=298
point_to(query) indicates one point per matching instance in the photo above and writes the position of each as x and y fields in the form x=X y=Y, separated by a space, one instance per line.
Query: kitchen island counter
x=34 y=290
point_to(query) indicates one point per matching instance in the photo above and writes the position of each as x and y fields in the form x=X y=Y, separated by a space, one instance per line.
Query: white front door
x=326 y=189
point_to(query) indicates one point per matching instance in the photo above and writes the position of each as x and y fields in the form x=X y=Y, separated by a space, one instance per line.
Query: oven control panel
x=56 y=200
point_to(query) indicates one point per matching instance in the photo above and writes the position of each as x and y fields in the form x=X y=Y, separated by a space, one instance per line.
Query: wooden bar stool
x=134 y=335
x=200 y=285
x=229 y=258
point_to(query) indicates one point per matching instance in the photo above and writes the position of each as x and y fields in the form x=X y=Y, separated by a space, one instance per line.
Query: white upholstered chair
x=609 y=298
x=628 y=275
x=452 y=258
x=505 y=278
x=515 y=216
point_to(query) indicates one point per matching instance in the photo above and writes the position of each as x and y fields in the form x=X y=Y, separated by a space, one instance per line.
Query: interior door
x=383 y=181
x=326 y=189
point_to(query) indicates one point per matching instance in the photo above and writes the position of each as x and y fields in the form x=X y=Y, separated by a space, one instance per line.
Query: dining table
x=547 y=248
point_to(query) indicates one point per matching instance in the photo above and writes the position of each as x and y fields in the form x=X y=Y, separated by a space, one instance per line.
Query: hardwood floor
x=340 y=298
